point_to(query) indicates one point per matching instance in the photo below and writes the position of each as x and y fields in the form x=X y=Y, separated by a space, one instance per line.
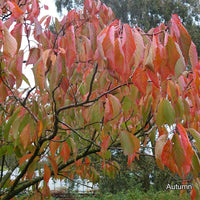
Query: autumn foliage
x=99 y=85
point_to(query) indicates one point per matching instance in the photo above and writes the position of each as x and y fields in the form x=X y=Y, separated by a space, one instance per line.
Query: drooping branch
x=77 y=133
x=92 y=100
x=20 y=187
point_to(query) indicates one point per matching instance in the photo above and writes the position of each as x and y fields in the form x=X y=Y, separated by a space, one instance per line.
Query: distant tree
x=149 y=13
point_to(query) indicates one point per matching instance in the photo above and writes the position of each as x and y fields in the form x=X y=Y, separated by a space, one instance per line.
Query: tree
x=99 y=86
x=150 y=13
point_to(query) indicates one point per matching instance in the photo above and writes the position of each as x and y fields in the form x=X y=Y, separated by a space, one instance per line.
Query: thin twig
x=77 y=133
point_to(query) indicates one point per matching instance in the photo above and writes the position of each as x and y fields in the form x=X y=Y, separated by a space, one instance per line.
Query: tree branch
x=92 y=81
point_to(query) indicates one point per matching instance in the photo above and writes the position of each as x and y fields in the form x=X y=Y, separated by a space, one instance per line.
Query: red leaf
x=193 y=56
x=19 y=63
x=70 y=47
x=34 y=11
x=47 y=173
x=47 y=22
x=65 y=152
x=34 y=56
x=17 y=33
x=140 y=80
x=193 y=193
x=3 y=92
x=46 y=7
x=87 y=161
x=65 y=84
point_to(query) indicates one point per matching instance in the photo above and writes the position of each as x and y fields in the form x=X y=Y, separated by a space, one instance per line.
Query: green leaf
x=195 y=165
x=179 y=108
x=24 y=122
x=180 y=64
x=196 y=136
x=177 y=152
x=130 y=143
x=10 y=122
x=3 y=151
x=24 y=78
x=165 y=114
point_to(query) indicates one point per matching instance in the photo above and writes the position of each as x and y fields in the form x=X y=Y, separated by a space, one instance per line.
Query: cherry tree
x=100 y=85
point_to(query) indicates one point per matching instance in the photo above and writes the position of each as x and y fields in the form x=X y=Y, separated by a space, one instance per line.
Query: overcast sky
x=52 y=8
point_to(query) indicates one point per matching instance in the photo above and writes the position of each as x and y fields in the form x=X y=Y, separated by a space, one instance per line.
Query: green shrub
x=139 y=195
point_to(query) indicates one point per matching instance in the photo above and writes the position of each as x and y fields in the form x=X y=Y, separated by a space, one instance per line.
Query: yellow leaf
x=39 y=128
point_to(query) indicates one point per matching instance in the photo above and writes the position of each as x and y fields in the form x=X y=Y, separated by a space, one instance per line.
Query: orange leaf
x=47 y=173
x=181 y=36
x=108 y=111
x=14 y=8
x=187 y=148
x=25 y=136
x=54 y=165
x=87 y=161
x=128 y=45
x=140 y=80
x=172 y=54
x=167 y=158
x=39 y=128
x=41 y=75
x=24 y=158
x=105 y=144
x=54 y=145
x=65 y=152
